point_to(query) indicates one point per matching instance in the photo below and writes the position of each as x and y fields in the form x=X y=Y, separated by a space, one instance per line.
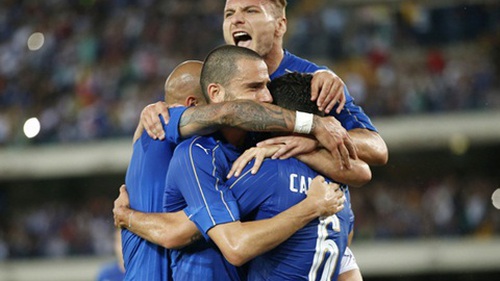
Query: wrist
x=303 y=122
x=316 y=125
x=311 y=207
x=122 y=215
x=129 y=226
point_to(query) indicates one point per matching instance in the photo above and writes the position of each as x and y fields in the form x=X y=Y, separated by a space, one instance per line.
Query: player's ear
x=215 y=92
x=191 y=101
x=281 y=26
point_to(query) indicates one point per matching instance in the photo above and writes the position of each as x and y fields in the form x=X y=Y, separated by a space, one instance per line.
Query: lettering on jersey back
x=299 y=183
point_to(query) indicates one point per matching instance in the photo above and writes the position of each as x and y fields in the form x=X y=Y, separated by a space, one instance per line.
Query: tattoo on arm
x=244 y=114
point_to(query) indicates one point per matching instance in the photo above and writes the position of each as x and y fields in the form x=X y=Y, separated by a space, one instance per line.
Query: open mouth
x=241 y=39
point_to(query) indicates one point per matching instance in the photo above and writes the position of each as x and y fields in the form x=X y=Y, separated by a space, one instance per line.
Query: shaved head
x=183 y=84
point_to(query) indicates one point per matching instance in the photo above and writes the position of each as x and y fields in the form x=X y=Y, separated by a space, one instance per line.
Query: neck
x=274 y=58
x=234 y=136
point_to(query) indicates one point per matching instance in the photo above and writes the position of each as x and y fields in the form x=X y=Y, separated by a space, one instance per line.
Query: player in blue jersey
x=146 y=173
x=260 y=26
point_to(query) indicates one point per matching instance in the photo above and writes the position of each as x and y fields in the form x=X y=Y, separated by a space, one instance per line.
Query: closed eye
x=257 y=86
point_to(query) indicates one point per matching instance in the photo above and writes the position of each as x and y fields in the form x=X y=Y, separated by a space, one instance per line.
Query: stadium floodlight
x=31 y=127
x=495 y=198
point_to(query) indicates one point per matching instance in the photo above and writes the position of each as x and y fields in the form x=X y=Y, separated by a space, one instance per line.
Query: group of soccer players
x=189 y=214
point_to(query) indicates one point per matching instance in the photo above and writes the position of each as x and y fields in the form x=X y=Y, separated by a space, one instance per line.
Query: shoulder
x=293 y=63
x=198 y=147
x=198 y=141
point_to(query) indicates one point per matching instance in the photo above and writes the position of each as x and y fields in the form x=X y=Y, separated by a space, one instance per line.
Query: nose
x=265 y=96
x=237 y=17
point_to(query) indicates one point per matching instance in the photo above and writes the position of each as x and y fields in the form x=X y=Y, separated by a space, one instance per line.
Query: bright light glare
x=495 y=198
x=35 y=41
x=31 y=127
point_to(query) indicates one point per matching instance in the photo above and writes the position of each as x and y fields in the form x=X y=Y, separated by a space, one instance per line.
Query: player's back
x=312 y=251
x=145 y=181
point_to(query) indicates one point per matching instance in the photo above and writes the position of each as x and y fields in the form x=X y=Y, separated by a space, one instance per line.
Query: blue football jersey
x=145 y=180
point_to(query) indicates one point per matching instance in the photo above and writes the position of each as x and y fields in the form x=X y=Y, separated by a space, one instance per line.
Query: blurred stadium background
x=427 y=72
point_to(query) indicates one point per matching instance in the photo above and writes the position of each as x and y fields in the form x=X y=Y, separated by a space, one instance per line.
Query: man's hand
x=121 y=209
x=259 y=153
x=327 y=89
x=328 y=197
x=330 y=133
x=150 y=119
x=290 y=145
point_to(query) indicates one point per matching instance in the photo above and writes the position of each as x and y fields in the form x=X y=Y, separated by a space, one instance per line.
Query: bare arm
x=321 y=161
x=170 y=230
x=370 y=146
x=245 y=114
x=253 y=116
x=239 y=242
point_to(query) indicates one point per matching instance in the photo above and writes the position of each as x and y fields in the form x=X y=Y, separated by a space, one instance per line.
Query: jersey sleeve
x=352 y=116
x=172 y=127
x=199 y=172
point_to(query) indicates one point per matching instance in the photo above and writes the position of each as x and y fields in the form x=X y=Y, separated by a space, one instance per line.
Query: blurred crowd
x=99 y=62
x=448 y=206
x=444 y=207
x=58 y=229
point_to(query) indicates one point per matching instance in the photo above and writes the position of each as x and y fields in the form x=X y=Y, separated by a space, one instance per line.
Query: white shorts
x=348 y=262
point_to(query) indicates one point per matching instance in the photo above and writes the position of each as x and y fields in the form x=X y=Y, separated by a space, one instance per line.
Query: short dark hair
x=220 y=66
x=293 y=91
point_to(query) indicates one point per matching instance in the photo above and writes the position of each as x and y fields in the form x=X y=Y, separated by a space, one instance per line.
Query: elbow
x=361 y=175
x=170 y=242
x=374 y=151
x=381 y=154
x=172 y=239
x=382 y=157
x=236 y=258
x=235 y=253
x=363 y=179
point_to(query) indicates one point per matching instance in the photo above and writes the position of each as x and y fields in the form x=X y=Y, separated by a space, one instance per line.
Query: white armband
x=303 y=122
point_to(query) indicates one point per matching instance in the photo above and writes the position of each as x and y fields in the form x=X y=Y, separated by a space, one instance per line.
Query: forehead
x=233 y=4
x=251 y=71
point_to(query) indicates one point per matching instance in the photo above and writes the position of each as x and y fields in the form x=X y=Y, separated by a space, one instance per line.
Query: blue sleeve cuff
x=172 y=128
x=219 y=213
x=352 y=116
